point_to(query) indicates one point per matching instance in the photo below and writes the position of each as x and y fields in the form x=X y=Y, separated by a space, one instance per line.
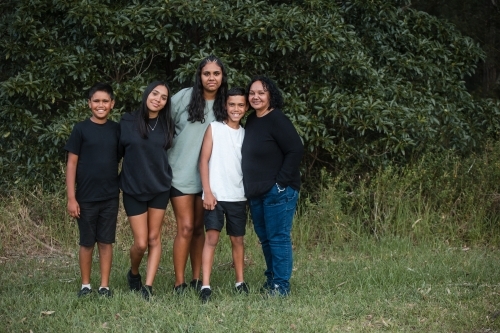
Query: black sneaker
x=84 y=292
x=134 y=282
x=242 y=289
x=205 y=294
x=147 y=292
x=196 y=284
x=105 y=292
x=266 y=287
x=180 y=288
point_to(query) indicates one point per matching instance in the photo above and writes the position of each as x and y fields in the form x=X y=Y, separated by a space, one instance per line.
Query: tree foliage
x=480 y=20
x=365 y=81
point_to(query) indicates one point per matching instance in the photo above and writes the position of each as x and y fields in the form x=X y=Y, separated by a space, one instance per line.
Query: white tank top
x=224 y=166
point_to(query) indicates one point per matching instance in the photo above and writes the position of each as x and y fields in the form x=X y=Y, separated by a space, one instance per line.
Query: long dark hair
x=275 y=97
x=165 y=115
x=196 y=107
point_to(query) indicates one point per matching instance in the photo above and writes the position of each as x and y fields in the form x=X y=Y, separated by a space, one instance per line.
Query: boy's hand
x=209 y=201
x=73 y=208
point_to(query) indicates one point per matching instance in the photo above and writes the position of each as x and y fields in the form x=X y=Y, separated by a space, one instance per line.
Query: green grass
x=390 y=285
x=406 y=249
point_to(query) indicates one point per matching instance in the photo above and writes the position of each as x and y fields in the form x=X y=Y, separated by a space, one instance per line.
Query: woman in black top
x=271 y=154
x=145 y=179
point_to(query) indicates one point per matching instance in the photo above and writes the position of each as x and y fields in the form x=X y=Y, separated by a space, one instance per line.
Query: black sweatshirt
x=145 y=169
x=271 y=153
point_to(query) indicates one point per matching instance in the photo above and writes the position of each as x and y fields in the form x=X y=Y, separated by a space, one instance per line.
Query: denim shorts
x=97 y=222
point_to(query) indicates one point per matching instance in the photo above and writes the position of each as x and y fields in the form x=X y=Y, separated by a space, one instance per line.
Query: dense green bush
x=366 y=81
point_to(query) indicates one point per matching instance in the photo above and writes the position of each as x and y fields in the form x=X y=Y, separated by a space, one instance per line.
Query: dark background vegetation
x=367 y=83
x=479 y=20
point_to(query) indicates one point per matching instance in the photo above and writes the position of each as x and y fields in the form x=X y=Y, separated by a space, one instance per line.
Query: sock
x=103 y=288
x=134 y=275
x=205 y=287
x=86 y=286
x=237 y=284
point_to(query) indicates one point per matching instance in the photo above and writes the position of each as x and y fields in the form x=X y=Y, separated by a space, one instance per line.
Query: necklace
x=266 y=112
x=153 y=128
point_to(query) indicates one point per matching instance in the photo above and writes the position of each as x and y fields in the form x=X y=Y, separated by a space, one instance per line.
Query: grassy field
x=391 y=285
x=406 y=249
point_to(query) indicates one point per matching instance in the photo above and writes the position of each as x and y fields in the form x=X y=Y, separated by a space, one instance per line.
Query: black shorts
x=135 y=207
x=176 y=193
x=97 y=222
x=236 y=217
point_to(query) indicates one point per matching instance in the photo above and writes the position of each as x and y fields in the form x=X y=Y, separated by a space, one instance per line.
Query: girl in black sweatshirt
x=145 y=179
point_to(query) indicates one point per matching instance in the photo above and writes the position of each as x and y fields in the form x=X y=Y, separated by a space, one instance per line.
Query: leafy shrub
x=366 y=82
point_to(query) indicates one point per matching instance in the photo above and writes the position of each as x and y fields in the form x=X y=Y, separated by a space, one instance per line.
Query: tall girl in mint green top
x=193 y=109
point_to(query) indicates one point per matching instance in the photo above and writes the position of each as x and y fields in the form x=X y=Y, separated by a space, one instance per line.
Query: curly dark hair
x=275 y=97
x=196 y=107
x=165 y=115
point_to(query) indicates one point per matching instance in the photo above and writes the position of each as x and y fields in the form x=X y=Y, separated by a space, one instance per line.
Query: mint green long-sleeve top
x=185 y=152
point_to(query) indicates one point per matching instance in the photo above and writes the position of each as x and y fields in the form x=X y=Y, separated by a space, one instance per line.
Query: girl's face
x=211 y=78
x=157 y=100
x=259 y=98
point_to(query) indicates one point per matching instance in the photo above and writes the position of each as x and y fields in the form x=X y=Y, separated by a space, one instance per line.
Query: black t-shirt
x=271 y=153
x=97 y=170
x=145 y=169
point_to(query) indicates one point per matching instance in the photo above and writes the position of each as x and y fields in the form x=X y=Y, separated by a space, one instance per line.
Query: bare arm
x=73 y=206
x=209 y=200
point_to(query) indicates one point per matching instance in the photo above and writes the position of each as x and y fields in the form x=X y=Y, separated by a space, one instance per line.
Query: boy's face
x=101 y=104
x=236 y=107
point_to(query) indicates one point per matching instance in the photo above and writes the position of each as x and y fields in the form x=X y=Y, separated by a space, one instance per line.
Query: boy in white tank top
x=223 y=193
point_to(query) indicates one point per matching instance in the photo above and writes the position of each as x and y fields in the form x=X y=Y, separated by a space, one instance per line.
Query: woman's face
x=157 y=100
x=258 y=97
x=211 y=77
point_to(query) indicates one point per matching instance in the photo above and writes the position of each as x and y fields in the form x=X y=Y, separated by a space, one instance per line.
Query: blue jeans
x=272 y=216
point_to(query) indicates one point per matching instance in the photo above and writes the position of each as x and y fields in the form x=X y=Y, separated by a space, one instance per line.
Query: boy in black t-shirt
x=93 y=168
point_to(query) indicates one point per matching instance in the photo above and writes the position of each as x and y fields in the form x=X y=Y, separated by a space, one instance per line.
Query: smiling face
x=157 y=100
x=100 y=104
x=211 y=79
x=259 y=97
x=236 y=107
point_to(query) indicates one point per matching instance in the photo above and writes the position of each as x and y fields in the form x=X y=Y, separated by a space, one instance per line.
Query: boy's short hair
x=237 y=91
x=101 y=86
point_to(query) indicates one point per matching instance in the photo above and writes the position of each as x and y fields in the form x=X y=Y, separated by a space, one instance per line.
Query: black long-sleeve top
x=145 y=169
x=271 y=153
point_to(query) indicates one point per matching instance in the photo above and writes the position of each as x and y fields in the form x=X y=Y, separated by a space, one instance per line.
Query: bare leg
x=85 y=260
x=184 y=214
x=155 y=221
x=211 y=240
x=139 y=226
x=238 y=256
x=105 y=261
x=198 y=240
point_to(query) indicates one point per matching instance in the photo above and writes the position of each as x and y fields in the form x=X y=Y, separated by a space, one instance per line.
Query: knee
x=198 y=231
x=154 y=241
x=237 y=241
x=185 y=230
x=211 y=240
x=140 y=247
